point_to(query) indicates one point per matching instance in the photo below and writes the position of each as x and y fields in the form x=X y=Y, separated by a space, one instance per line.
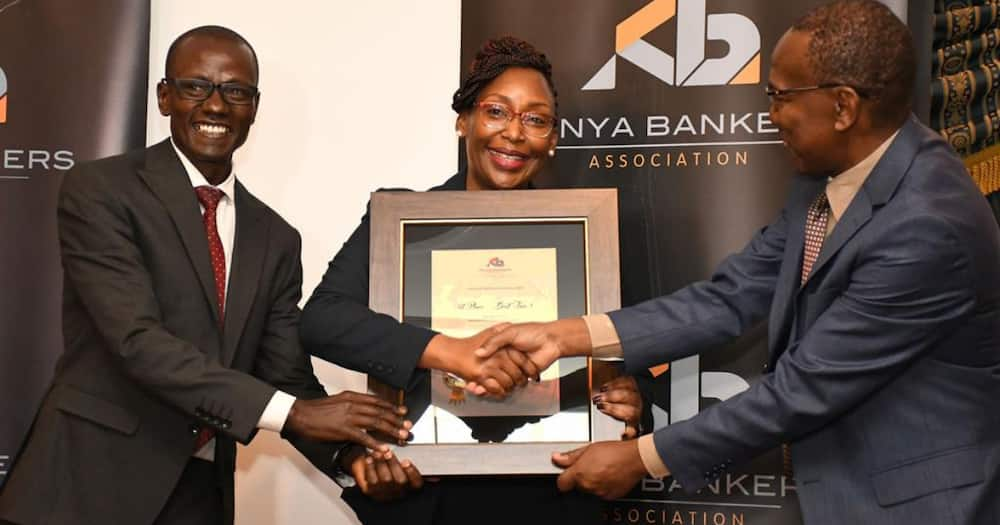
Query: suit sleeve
x=282 y=363
x=707 y=313
x=338 y=326
x=910 y=289
x=104 y=268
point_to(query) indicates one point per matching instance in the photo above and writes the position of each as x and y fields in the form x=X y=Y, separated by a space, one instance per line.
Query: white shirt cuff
x=276 y=412
x=651 y=458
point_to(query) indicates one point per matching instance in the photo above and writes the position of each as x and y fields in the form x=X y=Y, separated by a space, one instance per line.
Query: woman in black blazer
x=506 y=115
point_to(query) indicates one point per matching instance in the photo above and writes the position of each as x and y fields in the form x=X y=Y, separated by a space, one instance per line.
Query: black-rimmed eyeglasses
x=774 y=93
x=197 y=89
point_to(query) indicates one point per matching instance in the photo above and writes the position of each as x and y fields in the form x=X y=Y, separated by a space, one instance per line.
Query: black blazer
x=145 y=362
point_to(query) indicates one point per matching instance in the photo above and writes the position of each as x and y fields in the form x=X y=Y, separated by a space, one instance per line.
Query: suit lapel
x=876 y=191
x=788 y=278
x=165 y=176
x=249 y=249
x=855 y=216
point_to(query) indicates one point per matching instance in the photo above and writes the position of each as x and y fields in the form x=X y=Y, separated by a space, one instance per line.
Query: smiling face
x=503 y=158
x=807 y=120
x=209 y=131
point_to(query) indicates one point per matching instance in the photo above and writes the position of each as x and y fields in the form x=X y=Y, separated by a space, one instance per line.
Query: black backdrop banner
x=665 y=101
x=72 y=88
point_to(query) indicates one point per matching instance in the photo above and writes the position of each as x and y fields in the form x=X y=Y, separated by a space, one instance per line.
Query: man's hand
x=383 y=477
x=620 y=399
x=608 y=469
x=346 y=417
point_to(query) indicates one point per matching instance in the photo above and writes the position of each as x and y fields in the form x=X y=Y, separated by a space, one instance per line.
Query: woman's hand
x=382 y=476
x=620 y=399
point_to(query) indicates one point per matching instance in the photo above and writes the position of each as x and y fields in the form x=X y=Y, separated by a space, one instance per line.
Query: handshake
x=492 y=363
x=501 y=358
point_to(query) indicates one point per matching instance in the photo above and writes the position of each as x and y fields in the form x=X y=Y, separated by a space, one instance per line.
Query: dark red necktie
x=209 y=198
x=817 y=219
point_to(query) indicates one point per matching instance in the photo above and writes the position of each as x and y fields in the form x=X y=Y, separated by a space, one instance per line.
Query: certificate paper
x=472 y=290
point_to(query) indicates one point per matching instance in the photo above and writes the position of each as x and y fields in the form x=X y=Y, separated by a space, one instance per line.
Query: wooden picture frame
x=531 y=213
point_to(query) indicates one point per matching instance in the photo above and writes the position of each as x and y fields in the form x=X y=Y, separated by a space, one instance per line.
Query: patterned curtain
x=966 y=81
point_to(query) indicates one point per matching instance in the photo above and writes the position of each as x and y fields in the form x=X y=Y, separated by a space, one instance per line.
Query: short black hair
x=214 y=32
x=861 y=43
x=495 y=57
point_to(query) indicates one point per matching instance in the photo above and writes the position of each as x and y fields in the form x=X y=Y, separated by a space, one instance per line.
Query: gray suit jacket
x=145 y=362
x=884 y=368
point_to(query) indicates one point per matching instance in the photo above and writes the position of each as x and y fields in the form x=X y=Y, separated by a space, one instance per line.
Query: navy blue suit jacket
x=884 y=369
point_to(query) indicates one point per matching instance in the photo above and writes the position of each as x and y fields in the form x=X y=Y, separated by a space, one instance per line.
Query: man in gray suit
x=180 y=321
x=881 y=279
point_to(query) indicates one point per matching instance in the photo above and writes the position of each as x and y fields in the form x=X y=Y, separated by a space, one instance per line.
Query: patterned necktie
x=817 y=218
x=209 y=198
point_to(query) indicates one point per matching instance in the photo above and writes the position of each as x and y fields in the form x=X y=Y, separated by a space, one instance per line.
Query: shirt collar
x=228 y=186
x=840 y=190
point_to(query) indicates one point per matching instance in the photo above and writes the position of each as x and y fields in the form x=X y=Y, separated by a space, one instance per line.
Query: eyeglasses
x=235 y=93
x=773 y=93
x=497 y=116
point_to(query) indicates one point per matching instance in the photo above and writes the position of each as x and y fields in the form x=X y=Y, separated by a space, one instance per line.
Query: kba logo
x=694 y=27
x=3 y=97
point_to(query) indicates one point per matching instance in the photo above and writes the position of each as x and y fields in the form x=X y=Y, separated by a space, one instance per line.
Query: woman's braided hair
x=492 y=60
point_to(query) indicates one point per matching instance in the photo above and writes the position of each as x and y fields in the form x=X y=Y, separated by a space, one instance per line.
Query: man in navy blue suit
x=881 y=279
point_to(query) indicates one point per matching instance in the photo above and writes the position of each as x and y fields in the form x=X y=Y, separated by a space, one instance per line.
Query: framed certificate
x=458 y=262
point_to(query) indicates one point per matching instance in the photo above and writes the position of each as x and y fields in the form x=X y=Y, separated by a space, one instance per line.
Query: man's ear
x=846 y=108
x=162 y=94
x=256 y=106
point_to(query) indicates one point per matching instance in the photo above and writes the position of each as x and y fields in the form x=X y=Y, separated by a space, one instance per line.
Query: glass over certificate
x=460 y=262
x=472 y=290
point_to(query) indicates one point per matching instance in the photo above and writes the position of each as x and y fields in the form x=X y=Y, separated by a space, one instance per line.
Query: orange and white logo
x=3 y=97
x=690 y=67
